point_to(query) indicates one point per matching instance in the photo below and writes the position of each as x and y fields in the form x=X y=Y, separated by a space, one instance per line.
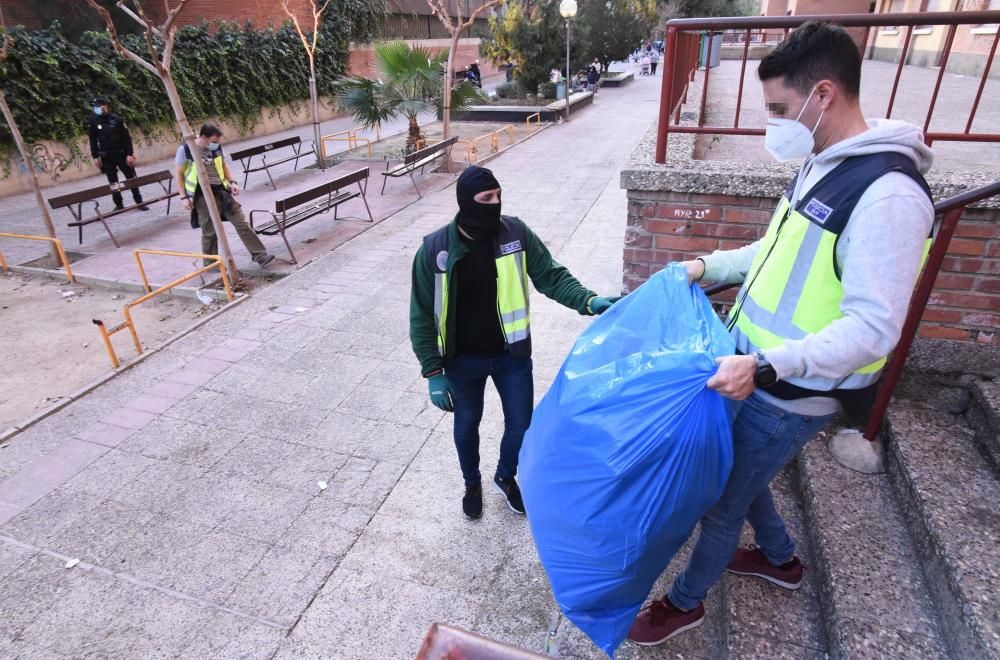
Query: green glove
x=600 y=305
x=442 y=393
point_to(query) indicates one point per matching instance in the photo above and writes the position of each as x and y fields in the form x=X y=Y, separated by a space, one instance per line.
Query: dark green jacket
x=549 y=277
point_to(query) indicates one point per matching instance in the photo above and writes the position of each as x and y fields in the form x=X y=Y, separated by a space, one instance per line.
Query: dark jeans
x=652 y=67
x=765 y=439
x=512 y=377
x=110 y=165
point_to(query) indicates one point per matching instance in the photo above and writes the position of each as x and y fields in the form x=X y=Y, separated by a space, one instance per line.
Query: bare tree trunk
x=314 y=98
x=449 y=74
x=29 y=164
x=213 y=208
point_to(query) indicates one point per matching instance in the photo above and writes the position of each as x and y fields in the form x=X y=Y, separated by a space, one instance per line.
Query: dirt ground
x=49 y=347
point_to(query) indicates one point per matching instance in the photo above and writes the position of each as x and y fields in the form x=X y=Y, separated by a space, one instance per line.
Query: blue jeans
x=765 y=439
x=512 y=377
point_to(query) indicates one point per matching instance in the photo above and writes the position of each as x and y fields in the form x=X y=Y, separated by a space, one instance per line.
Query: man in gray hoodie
x=823 y=300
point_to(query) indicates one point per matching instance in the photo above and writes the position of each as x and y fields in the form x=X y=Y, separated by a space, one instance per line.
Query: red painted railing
x=680 y=62
x=950 y=211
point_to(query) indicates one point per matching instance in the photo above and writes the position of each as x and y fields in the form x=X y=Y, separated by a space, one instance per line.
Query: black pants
x=652 y=66
x=110 y=164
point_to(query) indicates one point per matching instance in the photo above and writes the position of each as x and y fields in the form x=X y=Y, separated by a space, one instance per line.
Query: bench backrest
x=108 y=188
x=329 y=188
x=427 y=151
x=264 y=148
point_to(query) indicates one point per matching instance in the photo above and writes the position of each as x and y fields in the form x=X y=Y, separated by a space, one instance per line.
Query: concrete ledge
x=518 y=113
x=947 y=494
x=755 y=52
x=619 y=80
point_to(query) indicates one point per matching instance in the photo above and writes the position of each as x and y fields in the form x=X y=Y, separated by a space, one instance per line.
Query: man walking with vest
x=470 y=320
x=824 y=297
x=224 y=187
x=111 y=149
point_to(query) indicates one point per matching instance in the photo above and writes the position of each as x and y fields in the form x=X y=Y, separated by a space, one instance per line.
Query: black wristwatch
x=766 y=375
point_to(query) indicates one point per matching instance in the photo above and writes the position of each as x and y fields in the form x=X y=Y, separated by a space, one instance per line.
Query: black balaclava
x=476 y=219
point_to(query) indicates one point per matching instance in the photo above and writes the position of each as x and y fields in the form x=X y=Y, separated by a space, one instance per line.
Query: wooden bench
x=290 y=211
x=417 y=160
x=246 y=156
x=75 y=201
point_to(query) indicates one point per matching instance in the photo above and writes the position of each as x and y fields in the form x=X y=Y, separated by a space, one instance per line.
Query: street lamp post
x=567 y=8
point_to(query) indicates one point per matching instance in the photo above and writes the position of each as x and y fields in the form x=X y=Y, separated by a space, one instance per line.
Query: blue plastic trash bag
x=626 y=452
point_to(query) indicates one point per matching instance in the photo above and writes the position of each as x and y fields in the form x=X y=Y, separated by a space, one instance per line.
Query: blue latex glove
x=442 y=393
x=600 y=305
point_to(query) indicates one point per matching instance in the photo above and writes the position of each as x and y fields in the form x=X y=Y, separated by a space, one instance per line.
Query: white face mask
x=789 y=139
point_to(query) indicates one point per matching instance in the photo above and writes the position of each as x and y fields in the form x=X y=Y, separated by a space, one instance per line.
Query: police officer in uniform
x=111 y=149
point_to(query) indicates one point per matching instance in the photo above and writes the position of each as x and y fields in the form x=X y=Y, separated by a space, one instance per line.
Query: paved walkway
x=159 y=230
x=187 y=487
x=951 y=112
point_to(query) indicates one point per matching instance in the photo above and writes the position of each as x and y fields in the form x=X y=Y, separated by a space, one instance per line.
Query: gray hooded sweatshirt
x=879 y=254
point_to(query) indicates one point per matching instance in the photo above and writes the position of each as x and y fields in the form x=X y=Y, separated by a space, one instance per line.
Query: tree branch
x=135 y=17
x=116 y=41
x=476 y=14
x=439 y=10
x=298 y=28
x=172 y=15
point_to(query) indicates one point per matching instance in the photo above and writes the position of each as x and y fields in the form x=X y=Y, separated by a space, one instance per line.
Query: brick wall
x=668 y=226
x=361 y=61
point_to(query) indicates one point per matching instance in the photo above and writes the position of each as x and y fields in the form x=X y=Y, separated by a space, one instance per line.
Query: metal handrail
x=680 y=62
x=951 y=210
x=538 y=121
x=129 y=323
x=55 y=241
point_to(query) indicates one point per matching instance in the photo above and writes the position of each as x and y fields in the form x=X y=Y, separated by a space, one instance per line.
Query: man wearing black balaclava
x=470 y=320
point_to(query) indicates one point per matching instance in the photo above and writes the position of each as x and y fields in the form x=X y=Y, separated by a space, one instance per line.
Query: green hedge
x=237 y=72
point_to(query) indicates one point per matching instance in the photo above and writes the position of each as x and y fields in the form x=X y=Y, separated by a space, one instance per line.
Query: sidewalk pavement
x=187 y=487
x=147 y=229
x=951 y=112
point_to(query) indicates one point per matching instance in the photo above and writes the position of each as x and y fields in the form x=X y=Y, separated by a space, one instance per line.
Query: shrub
x=510 y=90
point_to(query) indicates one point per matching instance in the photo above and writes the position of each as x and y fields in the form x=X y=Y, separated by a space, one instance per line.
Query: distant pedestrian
x=593 y=76
x=474 y=68
x=224 y=188
x=654 y=59
x=111 y=149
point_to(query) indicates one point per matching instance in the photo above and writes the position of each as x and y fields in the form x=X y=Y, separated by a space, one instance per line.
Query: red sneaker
x=660 y=620
x=751 y=561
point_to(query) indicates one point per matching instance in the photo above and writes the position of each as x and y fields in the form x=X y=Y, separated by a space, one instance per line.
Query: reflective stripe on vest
x=795 y=293
x=512 y=300
x=191 y=175
x=441 y=309
x=794 y=284
x=512 y=297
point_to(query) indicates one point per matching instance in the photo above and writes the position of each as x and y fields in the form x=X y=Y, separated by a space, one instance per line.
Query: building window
x=892 y=7
x=988 y=28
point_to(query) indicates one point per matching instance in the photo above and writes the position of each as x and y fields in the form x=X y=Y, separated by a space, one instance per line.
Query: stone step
x=948 y=494
x=983 y=415
x=871 y=589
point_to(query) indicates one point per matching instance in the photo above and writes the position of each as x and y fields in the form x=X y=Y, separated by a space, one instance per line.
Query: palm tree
x=410 y=81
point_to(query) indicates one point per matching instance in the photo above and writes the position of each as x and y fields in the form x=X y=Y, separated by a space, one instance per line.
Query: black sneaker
x=119 y=207
x=511 y=491
x=472 y=501
x=142 y=207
